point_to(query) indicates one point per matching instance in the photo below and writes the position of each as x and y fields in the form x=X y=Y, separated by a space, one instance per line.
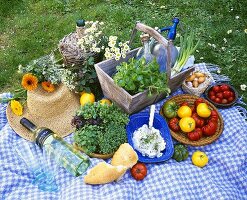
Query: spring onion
x=187 y=48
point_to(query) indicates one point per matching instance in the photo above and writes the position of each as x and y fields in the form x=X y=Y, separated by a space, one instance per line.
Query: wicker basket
x=71 y=52
x=182 y=137
x=94 y=155
x=201 y=88
x=121 y=97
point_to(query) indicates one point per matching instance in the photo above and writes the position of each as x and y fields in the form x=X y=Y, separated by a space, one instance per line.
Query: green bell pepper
x=180 y=152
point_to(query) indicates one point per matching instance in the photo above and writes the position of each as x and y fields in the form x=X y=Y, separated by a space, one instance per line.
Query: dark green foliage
x=110 y=140
x=137 y=76
x=100 y=128
x=87 y=137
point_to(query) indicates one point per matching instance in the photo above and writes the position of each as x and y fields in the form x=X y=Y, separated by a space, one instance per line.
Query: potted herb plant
x=100 y=129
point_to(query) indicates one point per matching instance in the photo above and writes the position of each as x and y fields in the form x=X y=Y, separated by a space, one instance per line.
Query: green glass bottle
x=58 y=149
x=80 y=28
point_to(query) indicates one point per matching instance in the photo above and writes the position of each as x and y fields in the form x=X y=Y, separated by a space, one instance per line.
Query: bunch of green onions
x=187 y=48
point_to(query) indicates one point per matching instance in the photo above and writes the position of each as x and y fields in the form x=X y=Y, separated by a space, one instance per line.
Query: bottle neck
x=41 y=134
x=28 y=124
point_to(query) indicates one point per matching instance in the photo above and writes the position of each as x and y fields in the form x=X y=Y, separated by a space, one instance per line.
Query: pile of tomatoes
x=195 y=120
x=221 y=94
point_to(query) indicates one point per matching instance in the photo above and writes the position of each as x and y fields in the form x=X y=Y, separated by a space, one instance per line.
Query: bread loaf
x=125 y=156
x=104 y=173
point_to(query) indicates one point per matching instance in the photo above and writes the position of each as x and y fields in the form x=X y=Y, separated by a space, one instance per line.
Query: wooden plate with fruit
x=192 y=120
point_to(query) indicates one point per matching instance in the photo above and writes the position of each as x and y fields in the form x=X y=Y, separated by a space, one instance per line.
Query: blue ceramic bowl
x=138 y=120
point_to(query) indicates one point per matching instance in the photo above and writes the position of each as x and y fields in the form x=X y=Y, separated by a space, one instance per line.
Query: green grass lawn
x=32 y=28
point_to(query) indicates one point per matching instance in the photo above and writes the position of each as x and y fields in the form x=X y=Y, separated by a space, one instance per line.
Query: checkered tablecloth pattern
x=225 y=176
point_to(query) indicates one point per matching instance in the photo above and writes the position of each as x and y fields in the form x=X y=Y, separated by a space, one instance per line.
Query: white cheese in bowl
x=148 y=142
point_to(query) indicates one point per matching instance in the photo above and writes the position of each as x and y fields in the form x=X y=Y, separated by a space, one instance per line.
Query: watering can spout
x=172 y=30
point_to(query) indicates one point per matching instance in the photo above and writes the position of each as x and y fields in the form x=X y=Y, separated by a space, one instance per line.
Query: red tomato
x=139 y=171
x=216 y=88
x=211 y=93
x=212 y=98
x=226 y=94
x=224 y=101
x=195 y=135
x=193 y=109
x=174 y=124
x=230 y=99
x=219 y=95
x=214 y=116
x=210 y=128
x=199 y=100
x=217 y=100
x=199 y=120
x=185 y=103
x=232 y=94
x=224 y=87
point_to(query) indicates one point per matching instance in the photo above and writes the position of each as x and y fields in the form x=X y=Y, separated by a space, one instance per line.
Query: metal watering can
x=153 y=49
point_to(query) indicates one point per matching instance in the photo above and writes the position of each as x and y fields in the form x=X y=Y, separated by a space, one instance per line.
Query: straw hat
x=51 y=110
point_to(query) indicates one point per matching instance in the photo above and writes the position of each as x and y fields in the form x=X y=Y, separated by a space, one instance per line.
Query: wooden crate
x=121 y=97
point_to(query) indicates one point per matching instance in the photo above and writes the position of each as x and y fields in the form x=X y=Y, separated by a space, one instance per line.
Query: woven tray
x=182 y=137
x=93 y=155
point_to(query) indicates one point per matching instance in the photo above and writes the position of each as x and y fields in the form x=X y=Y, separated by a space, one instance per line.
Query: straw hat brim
x=60 y=122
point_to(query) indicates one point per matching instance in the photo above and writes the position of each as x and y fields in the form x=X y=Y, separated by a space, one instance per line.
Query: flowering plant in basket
x=96 y=42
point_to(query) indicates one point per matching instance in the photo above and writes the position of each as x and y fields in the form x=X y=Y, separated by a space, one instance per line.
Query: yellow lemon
x=184 y=111
x=87 y=98
x=203 y=110
x=105 y=101
x=83 y=92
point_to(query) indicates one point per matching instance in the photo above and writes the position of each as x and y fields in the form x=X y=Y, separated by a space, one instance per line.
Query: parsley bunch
x=137 y=76
x=100 y=128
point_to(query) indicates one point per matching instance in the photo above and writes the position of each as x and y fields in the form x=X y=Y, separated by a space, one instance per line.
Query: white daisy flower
x=243 y=87
x=229 y=31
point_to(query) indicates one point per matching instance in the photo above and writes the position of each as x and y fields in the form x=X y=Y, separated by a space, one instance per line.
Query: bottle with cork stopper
x=80 y=28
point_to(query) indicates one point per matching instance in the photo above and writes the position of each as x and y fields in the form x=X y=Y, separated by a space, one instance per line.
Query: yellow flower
x=29 y=82
x=16 y=107
x=245 y=30
x=48 y=86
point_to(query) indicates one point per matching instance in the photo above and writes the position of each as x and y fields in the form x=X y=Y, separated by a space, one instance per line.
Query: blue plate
x=138 y=120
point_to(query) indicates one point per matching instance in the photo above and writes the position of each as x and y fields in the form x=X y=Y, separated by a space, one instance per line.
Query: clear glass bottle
x=58 y=149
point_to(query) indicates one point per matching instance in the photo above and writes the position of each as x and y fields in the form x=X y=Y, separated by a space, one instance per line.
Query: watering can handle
x=157 y=36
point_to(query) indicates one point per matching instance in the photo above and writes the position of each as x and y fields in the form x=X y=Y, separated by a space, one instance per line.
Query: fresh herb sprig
x=136 y=76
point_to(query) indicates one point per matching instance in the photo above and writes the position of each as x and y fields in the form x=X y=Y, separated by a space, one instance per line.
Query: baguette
x=125 y=155
x=104 y=173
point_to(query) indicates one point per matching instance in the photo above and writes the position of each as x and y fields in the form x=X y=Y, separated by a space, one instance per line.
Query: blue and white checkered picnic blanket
x=225 y=176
